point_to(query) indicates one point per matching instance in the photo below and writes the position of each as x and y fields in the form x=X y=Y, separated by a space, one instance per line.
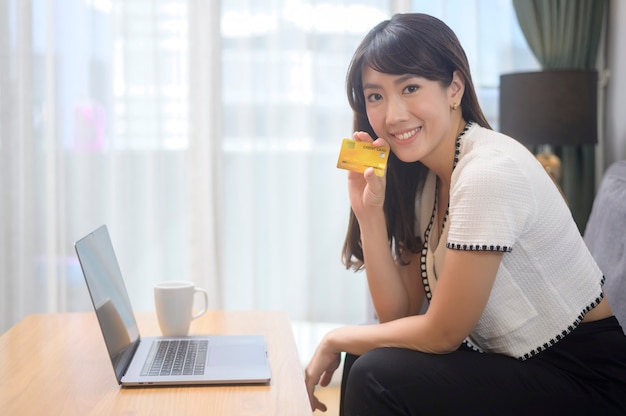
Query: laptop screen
x=109 y=297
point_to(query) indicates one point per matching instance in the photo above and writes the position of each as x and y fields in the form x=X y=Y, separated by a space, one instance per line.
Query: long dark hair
x=416 y=44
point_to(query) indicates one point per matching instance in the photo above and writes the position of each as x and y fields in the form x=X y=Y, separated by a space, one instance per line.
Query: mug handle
x=205 y=295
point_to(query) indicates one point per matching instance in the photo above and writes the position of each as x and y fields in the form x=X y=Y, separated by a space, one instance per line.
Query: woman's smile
x=405 y=136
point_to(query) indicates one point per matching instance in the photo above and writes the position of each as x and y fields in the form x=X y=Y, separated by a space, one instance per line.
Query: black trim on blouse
x=478 y=247
x=424 y=253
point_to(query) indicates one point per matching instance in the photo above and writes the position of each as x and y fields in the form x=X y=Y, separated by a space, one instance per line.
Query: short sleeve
x=490 y=203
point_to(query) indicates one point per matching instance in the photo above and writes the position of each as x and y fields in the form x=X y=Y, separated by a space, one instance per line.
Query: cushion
x=605 y=235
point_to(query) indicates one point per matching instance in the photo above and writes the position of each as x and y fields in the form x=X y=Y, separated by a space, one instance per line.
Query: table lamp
x=550 y=108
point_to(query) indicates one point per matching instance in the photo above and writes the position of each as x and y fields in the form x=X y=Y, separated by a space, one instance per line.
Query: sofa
x=605 y=235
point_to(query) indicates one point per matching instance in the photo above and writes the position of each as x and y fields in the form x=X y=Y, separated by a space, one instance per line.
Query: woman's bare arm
x=462 y=292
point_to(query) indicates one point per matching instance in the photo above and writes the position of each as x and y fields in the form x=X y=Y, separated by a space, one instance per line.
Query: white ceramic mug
x=174 y=301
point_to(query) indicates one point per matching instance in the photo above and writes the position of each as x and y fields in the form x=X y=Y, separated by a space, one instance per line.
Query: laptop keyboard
x=176 y=358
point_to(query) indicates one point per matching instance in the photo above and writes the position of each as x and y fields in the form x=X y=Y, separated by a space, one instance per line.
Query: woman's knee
x=396 y=381
x=369 y=388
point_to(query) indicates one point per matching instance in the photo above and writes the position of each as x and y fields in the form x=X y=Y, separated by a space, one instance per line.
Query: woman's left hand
x=320 y=371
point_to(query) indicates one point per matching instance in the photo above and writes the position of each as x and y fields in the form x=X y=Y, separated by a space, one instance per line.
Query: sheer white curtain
x=112 y=112
x=285 y=112
x=96 y=126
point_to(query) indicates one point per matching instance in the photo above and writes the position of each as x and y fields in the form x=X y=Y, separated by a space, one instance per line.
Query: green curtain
x=565 y=34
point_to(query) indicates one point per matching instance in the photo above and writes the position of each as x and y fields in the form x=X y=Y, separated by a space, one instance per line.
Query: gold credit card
x=358 y=156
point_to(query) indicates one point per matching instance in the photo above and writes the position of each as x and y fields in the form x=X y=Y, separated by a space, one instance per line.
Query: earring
x=455 y=106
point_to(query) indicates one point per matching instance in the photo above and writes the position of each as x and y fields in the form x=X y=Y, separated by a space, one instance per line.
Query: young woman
x=467 y=221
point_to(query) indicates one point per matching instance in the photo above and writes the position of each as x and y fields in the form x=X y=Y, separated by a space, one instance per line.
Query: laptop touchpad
x=236 y=355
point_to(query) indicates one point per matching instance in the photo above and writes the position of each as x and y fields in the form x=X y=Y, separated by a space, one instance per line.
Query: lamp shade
x=556 y=107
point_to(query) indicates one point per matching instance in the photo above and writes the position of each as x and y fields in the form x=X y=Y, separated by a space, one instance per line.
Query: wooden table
x=57 y=364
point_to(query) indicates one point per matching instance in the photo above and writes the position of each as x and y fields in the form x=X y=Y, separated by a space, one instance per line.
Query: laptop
x=137 y=361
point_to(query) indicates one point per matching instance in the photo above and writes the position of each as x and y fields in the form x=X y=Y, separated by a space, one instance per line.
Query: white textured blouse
x=501 y=198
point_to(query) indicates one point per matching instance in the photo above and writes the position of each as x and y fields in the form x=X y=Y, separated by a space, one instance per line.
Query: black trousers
x=584 y=373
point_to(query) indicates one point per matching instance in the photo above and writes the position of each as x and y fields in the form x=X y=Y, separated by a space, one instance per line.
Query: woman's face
x=413 y=114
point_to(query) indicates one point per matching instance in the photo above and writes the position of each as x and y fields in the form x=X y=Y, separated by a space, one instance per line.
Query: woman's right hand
x=366 y=190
